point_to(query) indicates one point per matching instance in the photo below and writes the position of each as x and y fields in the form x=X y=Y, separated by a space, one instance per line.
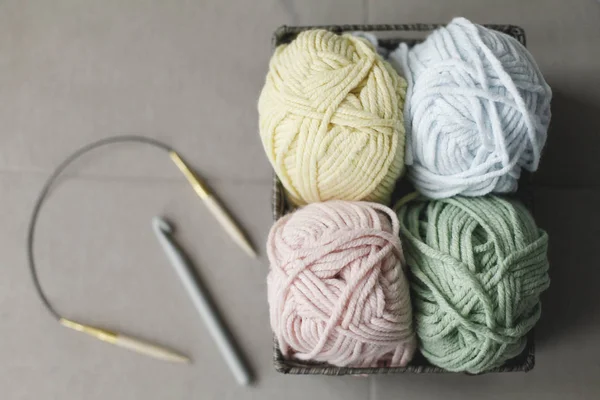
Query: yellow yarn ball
x=331 y=119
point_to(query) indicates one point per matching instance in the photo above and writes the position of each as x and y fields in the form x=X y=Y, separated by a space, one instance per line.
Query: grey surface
x=189 y=72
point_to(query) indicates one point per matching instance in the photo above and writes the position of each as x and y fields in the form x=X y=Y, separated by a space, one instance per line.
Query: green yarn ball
x=478 y=267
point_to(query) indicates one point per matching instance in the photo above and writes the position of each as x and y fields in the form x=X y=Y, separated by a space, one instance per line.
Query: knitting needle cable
x=115 y=338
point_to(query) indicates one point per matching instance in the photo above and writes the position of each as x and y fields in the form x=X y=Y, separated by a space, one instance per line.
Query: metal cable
x=46 y=189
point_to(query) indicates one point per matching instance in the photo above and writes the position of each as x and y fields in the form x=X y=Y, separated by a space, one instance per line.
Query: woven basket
x=399 y=33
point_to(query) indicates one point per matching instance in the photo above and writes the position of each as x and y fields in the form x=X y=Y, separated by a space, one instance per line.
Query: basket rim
x=296 y=367
x=286 y=33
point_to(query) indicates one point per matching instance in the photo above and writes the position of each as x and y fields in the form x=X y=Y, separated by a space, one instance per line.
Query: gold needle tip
x=191 y=177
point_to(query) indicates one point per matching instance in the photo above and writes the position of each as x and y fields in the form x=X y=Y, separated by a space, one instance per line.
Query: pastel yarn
x=477 y=111
x=336 y=287
x=330 y=117
x=478 y=267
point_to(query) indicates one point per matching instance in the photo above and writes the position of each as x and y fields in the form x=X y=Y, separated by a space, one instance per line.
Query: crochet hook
x=201 y=300
x=213 y=206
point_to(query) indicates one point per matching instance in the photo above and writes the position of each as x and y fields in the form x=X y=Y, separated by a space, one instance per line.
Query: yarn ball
x=336 y=287
x=477 y=111
x=478 y=267
x=330 y=117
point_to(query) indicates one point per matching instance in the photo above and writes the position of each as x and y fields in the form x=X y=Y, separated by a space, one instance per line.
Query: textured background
x=189 y=73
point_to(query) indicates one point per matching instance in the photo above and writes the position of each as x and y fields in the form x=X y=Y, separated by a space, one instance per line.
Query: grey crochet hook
x=201 y=300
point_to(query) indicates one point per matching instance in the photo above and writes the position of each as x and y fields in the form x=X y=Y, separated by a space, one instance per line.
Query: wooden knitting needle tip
x=126 y=342
x=213 y=205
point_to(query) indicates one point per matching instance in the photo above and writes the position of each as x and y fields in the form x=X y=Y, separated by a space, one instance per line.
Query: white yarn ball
x=477 y=111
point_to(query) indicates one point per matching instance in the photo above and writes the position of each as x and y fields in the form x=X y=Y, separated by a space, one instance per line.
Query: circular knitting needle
x=108 y=336
x=201 y=300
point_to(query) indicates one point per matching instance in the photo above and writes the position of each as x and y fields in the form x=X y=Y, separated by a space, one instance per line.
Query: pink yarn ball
x=337 y=290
